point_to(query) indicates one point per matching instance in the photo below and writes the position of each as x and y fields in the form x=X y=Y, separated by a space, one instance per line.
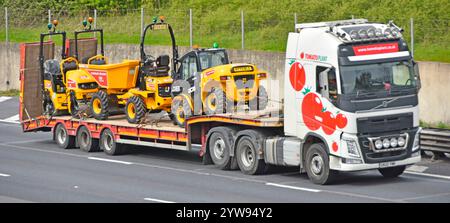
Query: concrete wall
x=434 y=96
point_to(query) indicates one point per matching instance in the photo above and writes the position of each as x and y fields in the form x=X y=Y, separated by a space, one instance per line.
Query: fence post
x=95 y=22
x=295 y=21
x=49 y=20
x=6 y=25
x=142 y=22
x=190 y=28
x=242 y=29
x=412 y=37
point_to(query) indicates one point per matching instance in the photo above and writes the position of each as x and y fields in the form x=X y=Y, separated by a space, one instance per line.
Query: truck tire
x=180 y=110
x=215 y=102
x=318 y=165
x=392 y=172
x=260 y=102
x=85 y=140
x=109 y=145
x=247 y=158
x=135 y=109
x=62 y=137
x=219 y=150
x=99 y=105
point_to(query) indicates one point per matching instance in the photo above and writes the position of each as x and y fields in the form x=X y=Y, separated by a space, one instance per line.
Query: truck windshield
x=381 y=77
x=210 y=59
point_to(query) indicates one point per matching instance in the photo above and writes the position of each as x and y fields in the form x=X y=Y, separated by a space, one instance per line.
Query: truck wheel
x=318 y=165
x=260 y=101
x=219 y=149
x=99 y=105
x=181 y=110
x=62 y=137
x=247 y=157
x=135 y=109
x=108 y=144
x=85 y=140
x=215 y=102
x=392 y=172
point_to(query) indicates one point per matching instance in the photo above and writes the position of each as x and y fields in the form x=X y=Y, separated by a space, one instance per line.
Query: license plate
x=387 y=164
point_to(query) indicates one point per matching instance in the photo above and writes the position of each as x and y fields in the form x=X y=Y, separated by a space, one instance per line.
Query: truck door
x=31 y=83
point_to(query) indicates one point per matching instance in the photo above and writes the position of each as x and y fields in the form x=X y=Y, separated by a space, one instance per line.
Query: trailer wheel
x=135 y=109
x=109 y=145
x=99 y=105
x=85 y=140
x=318 y=165
x=392 y=172
x=260 y=101
x=247 y=157
x=62 y=137
x=215 y=102
x=219 y=150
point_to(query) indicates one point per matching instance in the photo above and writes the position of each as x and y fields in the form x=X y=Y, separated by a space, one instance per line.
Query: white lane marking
x=109 y=160
x=158 y=200
x=428 y=175
x=4 y=98
x=417 y=168
x=292 y=187
x=13 y=119
x=4 y=175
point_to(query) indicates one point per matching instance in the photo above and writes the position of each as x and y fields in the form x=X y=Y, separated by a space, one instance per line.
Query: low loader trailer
x=350 y=104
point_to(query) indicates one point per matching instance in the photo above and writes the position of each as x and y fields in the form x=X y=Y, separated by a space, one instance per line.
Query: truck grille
x=244 y=81
x=371 y=156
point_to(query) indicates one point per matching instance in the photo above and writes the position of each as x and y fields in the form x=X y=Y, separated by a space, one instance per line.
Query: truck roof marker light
x=84 y=23
x=378 y=33
x=55 y=22
x=49 y=26
x=362 y=34
x=371 y=33
x=354 y=35
x=162 y=18
x=388 y=32
x=90 y=20
x=155 y=19
x=215 y=45
x=195 y=46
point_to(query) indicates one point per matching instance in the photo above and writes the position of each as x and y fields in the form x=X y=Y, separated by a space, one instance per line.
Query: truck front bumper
x=336 y=163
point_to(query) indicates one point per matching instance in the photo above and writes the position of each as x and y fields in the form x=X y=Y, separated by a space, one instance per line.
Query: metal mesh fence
x=260 y=33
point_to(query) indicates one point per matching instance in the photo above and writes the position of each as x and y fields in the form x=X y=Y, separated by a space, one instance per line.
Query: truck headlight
x=401 y=141
x=386 y=143
x=352 y=148
x=378 y=144
x=416 y=143
x=394 y=142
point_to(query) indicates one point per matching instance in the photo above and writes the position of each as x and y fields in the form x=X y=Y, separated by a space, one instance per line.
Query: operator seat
x=51 y=68
x=158 y=69
x=94 y=62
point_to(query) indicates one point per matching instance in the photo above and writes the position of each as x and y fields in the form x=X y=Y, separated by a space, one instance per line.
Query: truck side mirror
x=417 y=75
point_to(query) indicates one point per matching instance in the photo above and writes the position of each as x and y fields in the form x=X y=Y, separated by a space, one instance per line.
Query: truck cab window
x=326 y=83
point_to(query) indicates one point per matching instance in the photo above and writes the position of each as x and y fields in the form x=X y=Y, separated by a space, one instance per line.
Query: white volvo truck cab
x=351 y=98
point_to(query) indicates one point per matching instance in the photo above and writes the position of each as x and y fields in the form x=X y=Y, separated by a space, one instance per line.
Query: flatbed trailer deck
x=158 y=132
